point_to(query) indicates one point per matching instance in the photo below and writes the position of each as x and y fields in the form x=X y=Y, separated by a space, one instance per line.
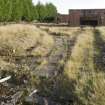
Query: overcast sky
x=64 y=5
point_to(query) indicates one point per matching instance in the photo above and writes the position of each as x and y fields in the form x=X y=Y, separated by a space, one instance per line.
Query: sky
x=64 y=5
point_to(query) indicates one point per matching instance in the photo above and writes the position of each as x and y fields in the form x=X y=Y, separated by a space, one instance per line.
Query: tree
x=24 y=10
x=17 y=10
x=5 y=10
x=51 y=12
x=41 y=10
x=28 y=10
x=35 y=13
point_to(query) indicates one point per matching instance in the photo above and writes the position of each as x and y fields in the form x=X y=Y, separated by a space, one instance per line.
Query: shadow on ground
x=60 y=90
x=99 y=55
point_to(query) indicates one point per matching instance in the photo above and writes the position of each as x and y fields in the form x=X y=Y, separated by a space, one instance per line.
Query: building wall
x=62 y=18
x=93 y=14
x=74 y=18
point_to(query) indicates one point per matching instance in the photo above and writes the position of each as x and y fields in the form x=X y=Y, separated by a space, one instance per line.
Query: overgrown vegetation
x=25 y=10
x=65 y=65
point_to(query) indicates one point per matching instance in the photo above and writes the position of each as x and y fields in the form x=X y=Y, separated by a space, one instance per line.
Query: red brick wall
x=75 y=15
x=74 y=18
x=63 y=18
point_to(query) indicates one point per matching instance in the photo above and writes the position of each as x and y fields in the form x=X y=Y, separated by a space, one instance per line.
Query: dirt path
x=59 y=54
x=56 y=59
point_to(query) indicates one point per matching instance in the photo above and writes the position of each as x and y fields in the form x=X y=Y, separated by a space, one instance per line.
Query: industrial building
x=77 y=17
x=62 y=18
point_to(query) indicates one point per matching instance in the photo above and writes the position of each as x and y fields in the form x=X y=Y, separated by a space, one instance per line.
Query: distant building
x=77 y=17
x=87 y=17
x=62 y=18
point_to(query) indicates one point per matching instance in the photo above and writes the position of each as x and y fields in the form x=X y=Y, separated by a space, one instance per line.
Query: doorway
x=88 y=22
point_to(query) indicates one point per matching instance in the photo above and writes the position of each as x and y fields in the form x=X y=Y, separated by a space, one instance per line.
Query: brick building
x=77 y=17
x=87 y=17
x=62 y=18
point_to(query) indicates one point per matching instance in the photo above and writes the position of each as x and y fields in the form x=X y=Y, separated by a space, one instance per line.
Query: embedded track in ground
x=63 y=45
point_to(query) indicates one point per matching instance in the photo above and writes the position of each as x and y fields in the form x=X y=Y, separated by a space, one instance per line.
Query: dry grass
x=22 y=37
x=102 y=31
x=62 y=30
x=82 y=52
x=20 y=40
x=90 y=85
x=80 y=80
